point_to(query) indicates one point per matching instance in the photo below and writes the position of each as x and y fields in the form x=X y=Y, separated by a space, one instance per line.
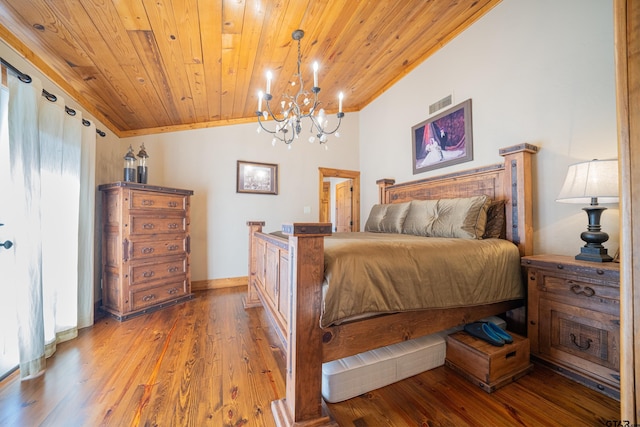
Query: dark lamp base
x=594 y=255
x=594 y=237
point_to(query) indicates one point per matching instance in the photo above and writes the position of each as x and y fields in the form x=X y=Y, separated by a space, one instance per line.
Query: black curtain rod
x=26 y=78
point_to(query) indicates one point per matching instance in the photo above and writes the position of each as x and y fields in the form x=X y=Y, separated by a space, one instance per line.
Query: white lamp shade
x=586 y=180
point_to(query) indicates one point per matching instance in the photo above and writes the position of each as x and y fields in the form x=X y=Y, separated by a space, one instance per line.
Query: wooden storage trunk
x=488 y=366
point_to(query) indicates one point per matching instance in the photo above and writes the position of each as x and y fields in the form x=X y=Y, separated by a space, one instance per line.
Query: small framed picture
x=257 y=178
x=443 y=140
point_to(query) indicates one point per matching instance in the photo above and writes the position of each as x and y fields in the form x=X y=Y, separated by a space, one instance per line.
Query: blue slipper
x=484 y=332
x=508 y=339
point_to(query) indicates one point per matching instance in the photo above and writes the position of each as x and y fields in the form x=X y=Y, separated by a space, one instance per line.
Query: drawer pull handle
x=581 y=347
x=125 y=250
x=588 y=292
x=147 y=250
x=172 y=291
x=172 y=204
x=147 y=274
x=172 y=226
x=147 y=202
x=616 y=377
x=148 y=226
x=172 y=247
x=172 y=269
x=147 y=298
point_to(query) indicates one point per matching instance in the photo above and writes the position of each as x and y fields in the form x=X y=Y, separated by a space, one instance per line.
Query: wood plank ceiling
x=148 y=66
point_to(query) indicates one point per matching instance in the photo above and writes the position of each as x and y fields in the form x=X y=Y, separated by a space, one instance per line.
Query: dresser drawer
x=146 y=249
x=144 y=273
x=581 y=292
x=147 y=200
x=147 y=297
x=148 y=225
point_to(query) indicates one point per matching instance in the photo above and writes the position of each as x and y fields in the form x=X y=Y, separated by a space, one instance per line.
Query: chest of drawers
x=574 y=318
x=145 y=248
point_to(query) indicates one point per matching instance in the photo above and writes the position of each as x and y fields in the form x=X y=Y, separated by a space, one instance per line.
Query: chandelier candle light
x=289 y=122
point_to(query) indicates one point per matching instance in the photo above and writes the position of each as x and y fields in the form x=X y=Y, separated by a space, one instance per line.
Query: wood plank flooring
x=209 y=362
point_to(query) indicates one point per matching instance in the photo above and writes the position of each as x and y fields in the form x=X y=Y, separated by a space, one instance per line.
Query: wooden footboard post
x=252 y=299
x=302 y=405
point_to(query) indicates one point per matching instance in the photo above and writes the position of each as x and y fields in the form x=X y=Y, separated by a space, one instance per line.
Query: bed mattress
x=352 y=376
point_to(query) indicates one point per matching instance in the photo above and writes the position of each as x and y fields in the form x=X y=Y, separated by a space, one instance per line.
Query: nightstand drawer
x=581 y=338
x=580 y=292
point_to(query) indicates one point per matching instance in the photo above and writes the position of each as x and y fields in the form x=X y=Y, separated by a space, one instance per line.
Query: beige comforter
x=373 y=273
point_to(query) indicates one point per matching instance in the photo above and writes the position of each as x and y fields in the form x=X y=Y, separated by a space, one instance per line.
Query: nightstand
x=574 y=319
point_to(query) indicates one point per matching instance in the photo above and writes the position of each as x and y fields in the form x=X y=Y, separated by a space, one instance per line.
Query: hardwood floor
x=209 y=362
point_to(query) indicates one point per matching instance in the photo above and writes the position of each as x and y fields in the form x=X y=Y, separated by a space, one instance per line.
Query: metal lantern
x=130 y=166
x=142 y=165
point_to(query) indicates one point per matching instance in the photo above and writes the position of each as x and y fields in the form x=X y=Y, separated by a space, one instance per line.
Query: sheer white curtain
x=86 y=232
x=46 y=153
x=24 y=155
x=8 y=326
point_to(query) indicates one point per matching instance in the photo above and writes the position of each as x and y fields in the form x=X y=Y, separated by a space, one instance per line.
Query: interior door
x=343 y=206
x=325 y=202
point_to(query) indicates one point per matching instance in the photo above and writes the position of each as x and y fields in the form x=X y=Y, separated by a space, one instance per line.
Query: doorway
x=346 y=207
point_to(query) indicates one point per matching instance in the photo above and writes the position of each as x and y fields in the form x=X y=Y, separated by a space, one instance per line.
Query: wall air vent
x=440 y=104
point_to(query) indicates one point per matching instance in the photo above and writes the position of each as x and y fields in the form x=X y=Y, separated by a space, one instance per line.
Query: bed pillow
x=375 y=218
x=387 y=218
x=462 y=218
x=496 y=221
x=419 y=220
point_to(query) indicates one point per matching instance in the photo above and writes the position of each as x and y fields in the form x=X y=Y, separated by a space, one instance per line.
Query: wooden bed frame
x=276 y=266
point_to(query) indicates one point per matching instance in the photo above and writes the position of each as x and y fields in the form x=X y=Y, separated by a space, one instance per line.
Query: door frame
x=355 y=195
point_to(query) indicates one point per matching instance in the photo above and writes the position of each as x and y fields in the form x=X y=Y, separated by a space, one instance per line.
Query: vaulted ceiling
x=148 y=66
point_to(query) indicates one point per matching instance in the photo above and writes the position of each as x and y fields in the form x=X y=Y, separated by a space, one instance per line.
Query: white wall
x=205 y=161
x=537 y=71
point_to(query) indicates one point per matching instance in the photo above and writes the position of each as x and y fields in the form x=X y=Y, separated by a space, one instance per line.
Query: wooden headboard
x=509 y=181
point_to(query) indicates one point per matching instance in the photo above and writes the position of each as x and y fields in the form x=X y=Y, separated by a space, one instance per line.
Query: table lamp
x=592 y=182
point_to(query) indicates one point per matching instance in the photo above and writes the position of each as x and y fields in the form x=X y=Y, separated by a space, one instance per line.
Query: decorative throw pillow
x=394 y=217
x=463 y=218
x=496 y=221
x=375 y=218
x=387 y=218
x=420 y=217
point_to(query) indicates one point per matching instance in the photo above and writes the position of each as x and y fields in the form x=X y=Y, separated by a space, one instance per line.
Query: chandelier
x=294 y=108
